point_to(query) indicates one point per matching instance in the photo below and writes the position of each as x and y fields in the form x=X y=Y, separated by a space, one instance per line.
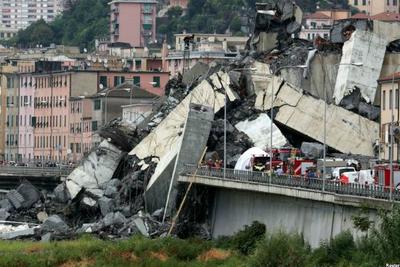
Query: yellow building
x=7 y=81
x=373 y=7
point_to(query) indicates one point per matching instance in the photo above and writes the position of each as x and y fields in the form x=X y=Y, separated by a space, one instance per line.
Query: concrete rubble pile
x=129 y=183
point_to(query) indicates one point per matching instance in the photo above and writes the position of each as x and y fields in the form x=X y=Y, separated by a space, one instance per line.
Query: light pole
x=272 y=113
x=391 y=135
x=43 y=139
x=106 y=99
x=225 y=108
x=82 y=97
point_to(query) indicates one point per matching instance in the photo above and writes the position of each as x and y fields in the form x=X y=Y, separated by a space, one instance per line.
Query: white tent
x=244 y=162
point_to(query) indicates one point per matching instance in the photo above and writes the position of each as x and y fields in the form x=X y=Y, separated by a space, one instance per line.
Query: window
x=364 y=2
x=97 y=104
x=118 y=80
x=138 y=64
x=383 y=99
x=395 y=2
x=156 y=81
x=103 y=81
x=356 y=2
x=388 y=2
x=94 y=125
x=136 y=80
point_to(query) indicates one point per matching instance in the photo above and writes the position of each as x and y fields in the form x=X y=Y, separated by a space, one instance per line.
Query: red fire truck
x=382 y=175
x=289 y=159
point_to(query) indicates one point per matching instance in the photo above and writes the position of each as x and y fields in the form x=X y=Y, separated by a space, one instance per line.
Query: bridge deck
x=293 y=186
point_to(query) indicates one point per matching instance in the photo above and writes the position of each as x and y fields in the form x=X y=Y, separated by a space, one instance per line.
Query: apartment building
x=204 y=48
x=320 y=23
x=16 y=14
x=133 y=22
x=389 y=89
x=373 y=7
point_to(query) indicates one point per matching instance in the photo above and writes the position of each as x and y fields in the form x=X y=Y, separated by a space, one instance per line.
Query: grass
x=137 y=251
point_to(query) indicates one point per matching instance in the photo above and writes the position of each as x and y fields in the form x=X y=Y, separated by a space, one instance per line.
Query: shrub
x=245 y=240
x=280 y=250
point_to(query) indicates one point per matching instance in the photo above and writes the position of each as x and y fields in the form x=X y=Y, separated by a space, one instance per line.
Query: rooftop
x=317 y=15
x=387 y=16
x=389 y=78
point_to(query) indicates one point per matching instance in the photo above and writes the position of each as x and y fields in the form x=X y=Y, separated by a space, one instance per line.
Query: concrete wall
x=316 y=221
x=83 y=84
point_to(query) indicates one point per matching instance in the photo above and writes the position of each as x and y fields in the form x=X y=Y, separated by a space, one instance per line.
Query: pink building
x=81 y=127
x=26 y=112
x=133 y=22
x=181 y=3
x=51 y=126
x=152 y=81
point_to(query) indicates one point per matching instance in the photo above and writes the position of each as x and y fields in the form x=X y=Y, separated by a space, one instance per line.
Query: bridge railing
x=35 y=171
x=373 y=191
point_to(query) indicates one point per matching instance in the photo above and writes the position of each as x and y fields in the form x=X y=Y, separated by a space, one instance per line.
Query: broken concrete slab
x=163 y=141
x=4 y=214
x=141 y=226
x=259 y=131
x=114 y=218
x=15 y=198
x=6 y=204
x=54 y=223
x=16 y=232
x=198 y=70
x=42 y=216
x=347 y=132
x=369 y=50
x=194 y=140
x=30 y=194
x=61 y=193
x=95 y=170
x=107 y=205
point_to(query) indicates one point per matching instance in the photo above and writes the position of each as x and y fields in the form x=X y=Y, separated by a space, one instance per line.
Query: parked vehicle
x=382 y=175
x=337 y=172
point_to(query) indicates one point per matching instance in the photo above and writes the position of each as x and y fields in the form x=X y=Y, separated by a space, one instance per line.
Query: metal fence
x=372 y=191
x=34 y=171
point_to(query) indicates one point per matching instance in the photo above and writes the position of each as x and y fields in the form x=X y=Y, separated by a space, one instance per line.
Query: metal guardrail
x=34 y=171
x=372 y=191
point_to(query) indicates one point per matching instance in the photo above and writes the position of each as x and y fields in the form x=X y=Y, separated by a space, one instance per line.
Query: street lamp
x=391 y=135
x=272 y=113
x=225 y=108
x=106 y=98
x=82 y=97
x=43 y=140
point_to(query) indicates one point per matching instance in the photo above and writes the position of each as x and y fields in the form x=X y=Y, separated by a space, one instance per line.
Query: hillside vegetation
x=86 y=20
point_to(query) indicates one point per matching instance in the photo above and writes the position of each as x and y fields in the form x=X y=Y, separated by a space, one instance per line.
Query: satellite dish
x=123 y=60
x=105 y=61
x=100 y=60
x=84 y=50
x=101 y=86
x=89 y=57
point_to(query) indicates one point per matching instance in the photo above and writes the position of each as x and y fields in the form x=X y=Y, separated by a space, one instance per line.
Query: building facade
x=373 y=7
x=181 y=3
x=389 y=88
x=16 y=15
x=26 y=112
x=51 y=127
x=320 y=23
x=133 y=22
x=204 y=48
